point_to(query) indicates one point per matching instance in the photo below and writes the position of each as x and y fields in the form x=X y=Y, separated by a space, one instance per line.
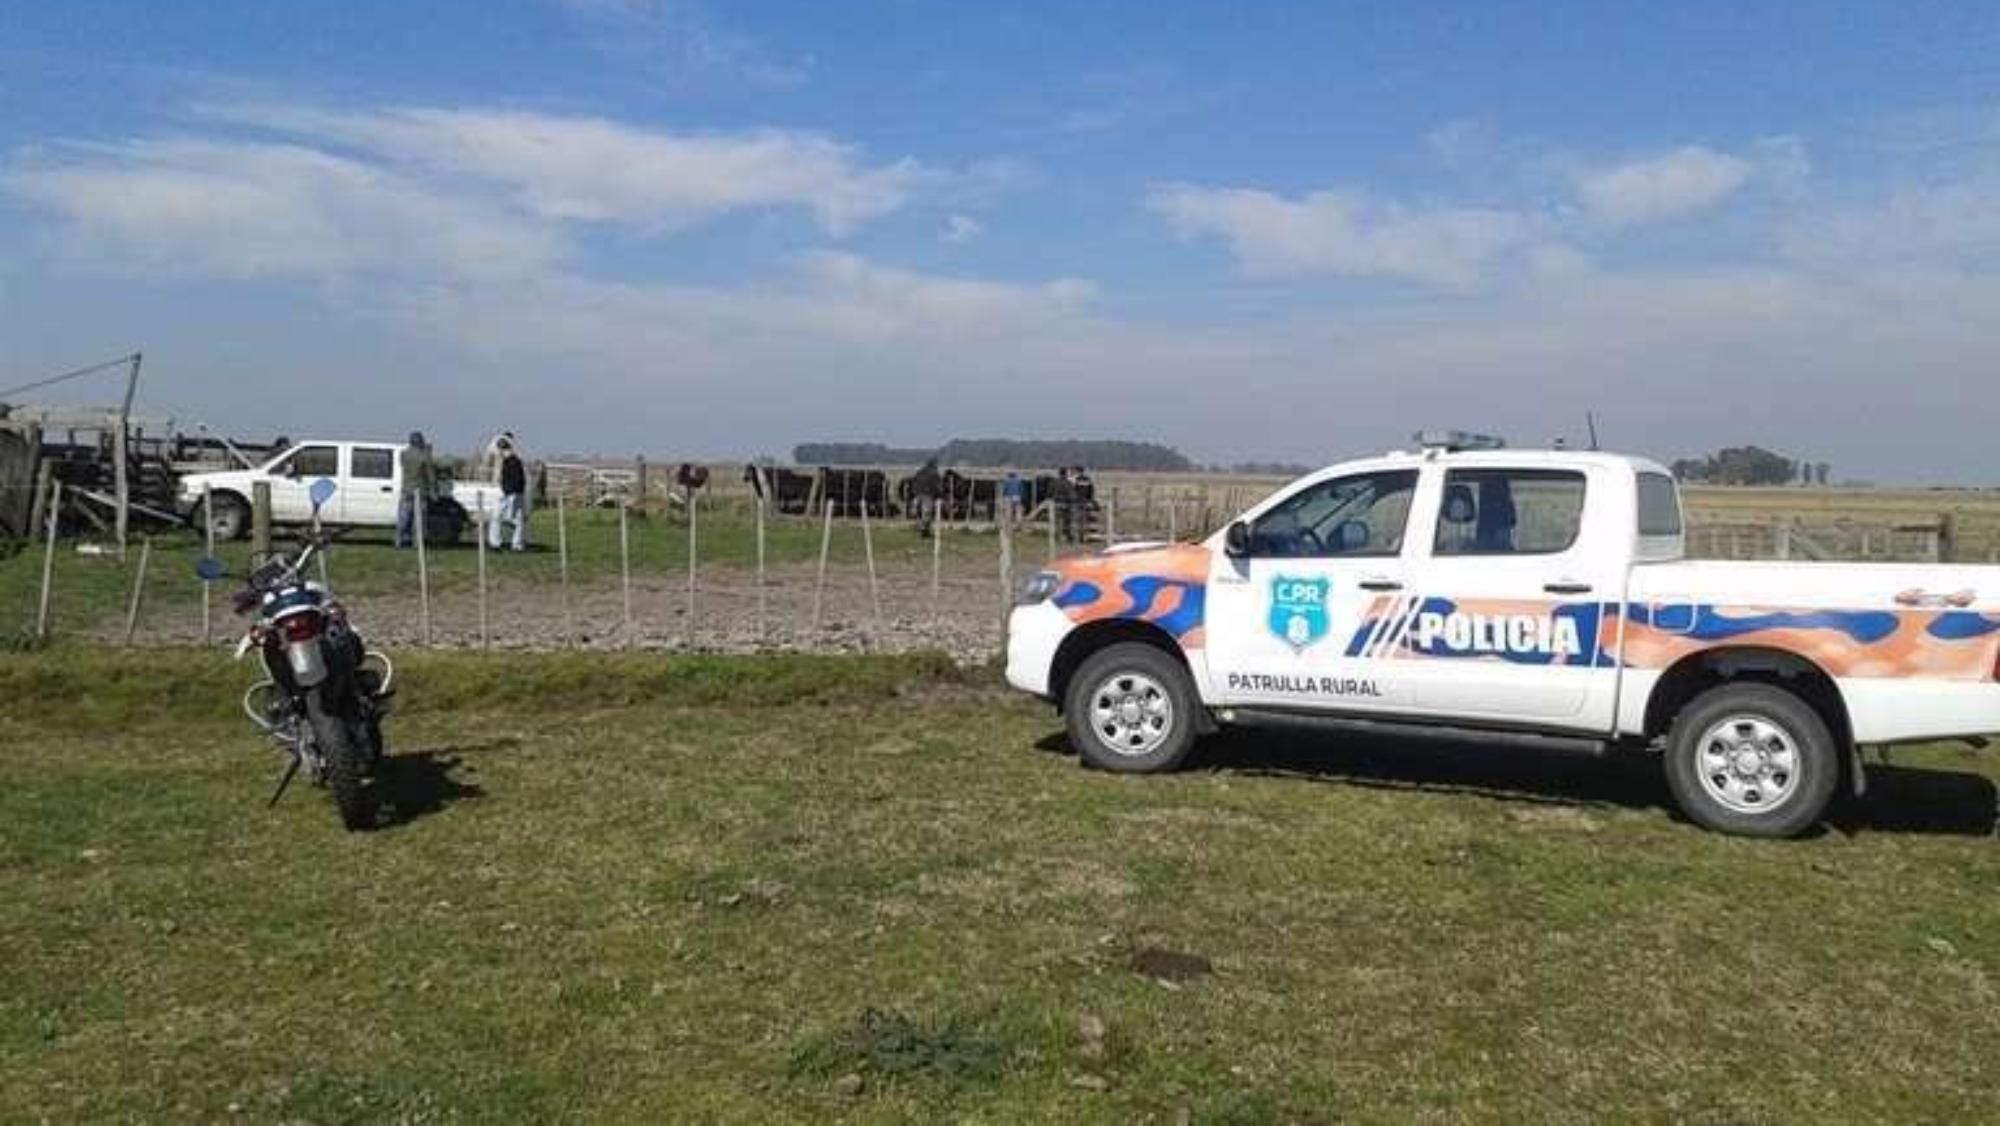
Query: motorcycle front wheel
x=346 y=764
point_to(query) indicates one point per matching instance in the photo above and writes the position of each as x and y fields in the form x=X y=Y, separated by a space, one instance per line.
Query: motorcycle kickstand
x=291 y=768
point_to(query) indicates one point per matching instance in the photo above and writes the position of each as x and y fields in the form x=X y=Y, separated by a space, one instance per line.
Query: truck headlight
x=1038 y=588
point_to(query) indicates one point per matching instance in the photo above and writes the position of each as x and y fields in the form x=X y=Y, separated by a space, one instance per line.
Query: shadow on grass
x=1900 y=799
x=417 y=784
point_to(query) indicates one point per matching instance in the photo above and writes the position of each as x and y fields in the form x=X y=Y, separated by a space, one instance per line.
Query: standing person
x=1086 y=502
x=924 y=494
x=513 y=481
x=1012 y=494
x=419 y=486
x=1062 y=495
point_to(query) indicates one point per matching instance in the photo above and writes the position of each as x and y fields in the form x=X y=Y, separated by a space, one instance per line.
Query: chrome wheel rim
x=1748 y=764
x=1131 y=713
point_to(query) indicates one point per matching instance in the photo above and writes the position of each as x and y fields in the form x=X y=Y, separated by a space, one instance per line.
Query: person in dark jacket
x=924 y=488
x=420 y=485
x=513 y=481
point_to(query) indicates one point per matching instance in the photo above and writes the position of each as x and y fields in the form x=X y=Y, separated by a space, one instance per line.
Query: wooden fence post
x=485 y=637
x=423 y=517
x=562 y=567
x=49 y=560
x=694 y=532
x=138 y=590
x=1006 y=569
x=937 y=561
x=625 y=562
x=825 y=542
x=208 y=532
x=868 y=550
x=260 y=522
x=761 y=620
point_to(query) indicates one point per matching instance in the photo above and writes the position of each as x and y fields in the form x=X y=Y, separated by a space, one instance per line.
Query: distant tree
x=1739 y=465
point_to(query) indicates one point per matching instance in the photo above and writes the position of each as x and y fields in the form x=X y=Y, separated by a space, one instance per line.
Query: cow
x=847 y=491
x=966 y=497
x=789 y=493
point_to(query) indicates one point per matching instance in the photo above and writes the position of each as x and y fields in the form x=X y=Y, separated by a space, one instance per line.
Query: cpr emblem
x=1298 y=610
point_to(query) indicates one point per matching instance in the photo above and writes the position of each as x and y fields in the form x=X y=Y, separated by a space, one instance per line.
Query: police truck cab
x=1514 y=596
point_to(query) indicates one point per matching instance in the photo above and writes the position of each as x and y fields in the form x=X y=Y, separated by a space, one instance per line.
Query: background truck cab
x=368 y=481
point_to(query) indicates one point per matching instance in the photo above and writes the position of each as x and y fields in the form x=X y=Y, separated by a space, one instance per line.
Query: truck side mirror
x=1236 y=540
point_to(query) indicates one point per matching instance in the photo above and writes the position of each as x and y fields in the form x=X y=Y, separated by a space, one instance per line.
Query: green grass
x=791 y=889
x=92 y=592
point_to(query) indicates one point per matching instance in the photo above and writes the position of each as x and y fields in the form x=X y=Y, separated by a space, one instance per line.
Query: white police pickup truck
x=1515 y=596
x=367 y=478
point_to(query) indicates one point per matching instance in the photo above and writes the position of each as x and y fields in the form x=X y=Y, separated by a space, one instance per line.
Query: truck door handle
x=1566 y=587
x=1380 y=584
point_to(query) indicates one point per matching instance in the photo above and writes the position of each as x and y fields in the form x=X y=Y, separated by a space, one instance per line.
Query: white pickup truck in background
x=1515 y=595
x=367 y=477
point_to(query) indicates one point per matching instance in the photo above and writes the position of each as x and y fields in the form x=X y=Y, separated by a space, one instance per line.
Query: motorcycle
x=325 y=693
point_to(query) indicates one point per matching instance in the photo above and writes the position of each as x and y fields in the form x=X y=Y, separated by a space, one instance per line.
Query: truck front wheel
x=1131 y=708
x=1752 y=759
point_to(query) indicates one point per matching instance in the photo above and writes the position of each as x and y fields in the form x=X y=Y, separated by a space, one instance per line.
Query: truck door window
x=309 y=462
x=1509 y=512
x=374 y=463
x=1356 y=516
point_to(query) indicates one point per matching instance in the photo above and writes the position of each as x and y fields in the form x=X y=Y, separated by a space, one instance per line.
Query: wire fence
x=714 y=570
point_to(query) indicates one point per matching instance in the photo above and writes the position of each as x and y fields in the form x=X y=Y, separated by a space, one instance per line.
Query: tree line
x=1750 y=465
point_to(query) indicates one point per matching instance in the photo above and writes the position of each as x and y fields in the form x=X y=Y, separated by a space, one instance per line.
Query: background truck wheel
x=1752 y=759
x=444 y=523
x=1131 y=708
x=230 y=518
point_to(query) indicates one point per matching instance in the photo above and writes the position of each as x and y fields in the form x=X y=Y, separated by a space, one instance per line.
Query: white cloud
x=961 y=229
x=1344 y=233
x=1952 y=222
x=1663 y=186
x=595 y=169
x=675 y=40
x=236 y=209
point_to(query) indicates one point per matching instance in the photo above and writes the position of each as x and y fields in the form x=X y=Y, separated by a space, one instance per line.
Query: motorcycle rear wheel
x=346 y=765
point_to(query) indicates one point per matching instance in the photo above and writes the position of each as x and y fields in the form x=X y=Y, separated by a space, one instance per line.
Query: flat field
x=786 y=888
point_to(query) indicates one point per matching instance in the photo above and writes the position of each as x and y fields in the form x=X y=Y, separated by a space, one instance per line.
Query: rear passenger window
x=1659 y=505
x=374 y=463
x=1509 y=512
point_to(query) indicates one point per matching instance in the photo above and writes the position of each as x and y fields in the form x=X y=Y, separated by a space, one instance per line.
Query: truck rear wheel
x=227 y=515
x=1131 y=709
x=1752 y=759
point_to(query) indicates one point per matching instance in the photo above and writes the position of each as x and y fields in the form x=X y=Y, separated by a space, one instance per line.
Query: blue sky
x=1274 y=231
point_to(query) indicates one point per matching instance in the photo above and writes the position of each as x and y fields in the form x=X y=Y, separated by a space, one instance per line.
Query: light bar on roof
x=1454 y=440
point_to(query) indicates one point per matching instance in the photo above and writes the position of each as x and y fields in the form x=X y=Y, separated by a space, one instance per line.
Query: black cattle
x=968 y=498
x=848 y=490
x=790 y=490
